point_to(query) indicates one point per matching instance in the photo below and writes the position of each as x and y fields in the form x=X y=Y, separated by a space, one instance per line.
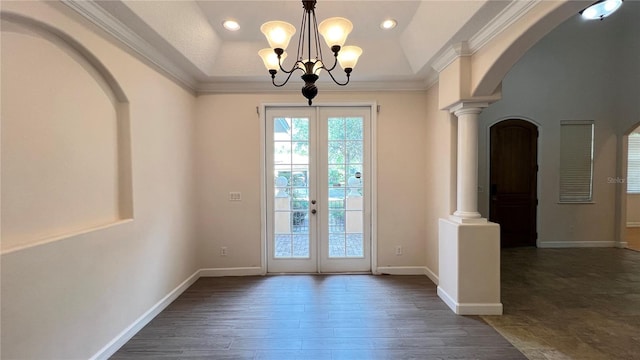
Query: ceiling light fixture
x=333 y=30
x=601 y=9
x=388 y=24
x=231 y=25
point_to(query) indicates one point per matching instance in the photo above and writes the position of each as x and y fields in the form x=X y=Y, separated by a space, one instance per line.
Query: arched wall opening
x=568 y=76
x=552 y=95
x=493 y=61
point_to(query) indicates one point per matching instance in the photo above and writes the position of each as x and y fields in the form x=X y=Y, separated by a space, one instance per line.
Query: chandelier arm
x=273 y=79
x=295 y=67
x=335 y=62
x=336 y=81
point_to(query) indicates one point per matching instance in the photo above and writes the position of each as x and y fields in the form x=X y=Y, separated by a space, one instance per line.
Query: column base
x=467 y=220
x=469 y=270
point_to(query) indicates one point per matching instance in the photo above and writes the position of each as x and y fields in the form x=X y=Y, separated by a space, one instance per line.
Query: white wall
x=572 y=74
x=228 y=159
x=441 y=146
x=68 y=298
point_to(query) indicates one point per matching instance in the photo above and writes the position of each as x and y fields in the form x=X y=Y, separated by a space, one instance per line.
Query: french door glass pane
x=345 y=202
x=291 y=195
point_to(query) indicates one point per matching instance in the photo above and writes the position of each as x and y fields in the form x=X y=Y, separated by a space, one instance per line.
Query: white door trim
x=263 y=180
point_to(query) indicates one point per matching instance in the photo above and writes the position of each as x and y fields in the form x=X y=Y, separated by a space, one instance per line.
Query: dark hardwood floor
x=315 y=317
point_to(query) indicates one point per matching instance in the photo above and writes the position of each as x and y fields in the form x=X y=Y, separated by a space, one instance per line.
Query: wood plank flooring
x=315 y=317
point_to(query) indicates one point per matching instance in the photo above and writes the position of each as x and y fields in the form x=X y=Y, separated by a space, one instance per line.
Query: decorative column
x=467 y=189
x=469 y=245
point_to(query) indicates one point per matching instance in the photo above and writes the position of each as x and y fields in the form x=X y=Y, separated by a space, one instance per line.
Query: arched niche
x=66 y=154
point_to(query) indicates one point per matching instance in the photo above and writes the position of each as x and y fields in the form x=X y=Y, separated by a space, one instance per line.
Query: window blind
x=576 y=161
x=633 y=164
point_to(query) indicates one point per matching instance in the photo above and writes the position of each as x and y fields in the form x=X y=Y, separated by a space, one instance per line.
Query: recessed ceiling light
x=231 y=25
x=601 y=9
x=388 y=24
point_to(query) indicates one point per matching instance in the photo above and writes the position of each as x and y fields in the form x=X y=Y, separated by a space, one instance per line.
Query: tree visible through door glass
x=345 y=202
x=291 y=196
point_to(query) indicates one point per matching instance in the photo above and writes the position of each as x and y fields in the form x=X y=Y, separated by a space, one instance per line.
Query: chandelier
x=333 y=30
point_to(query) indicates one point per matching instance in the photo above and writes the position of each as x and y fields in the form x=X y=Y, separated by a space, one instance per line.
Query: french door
x=318 y=189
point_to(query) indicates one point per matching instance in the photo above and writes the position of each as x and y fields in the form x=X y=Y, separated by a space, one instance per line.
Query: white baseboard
x=469 y=308
x=401 y=270
x=633 y=224
x=143 y=320
x=238 y=271
x=576 y=244
x=622 y=244
x=452 y=304
x=479 y=309
x=431 y=275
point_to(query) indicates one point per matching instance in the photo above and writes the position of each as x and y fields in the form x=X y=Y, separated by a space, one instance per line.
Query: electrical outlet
x=223 y=251
x=235 y=196
x=399 y=250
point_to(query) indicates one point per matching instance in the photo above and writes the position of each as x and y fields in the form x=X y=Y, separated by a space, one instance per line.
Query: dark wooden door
x=513 y=186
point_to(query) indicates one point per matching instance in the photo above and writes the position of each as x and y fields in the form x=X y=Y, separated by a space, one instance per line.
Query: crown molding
x=450 y=54
x=239 y=87
x=432 y=79
x=510 y=14
x=98 y=16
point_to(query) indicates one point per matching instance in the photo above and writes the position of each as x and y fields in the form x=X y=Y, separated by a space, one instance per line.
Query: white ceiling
x=186 y=40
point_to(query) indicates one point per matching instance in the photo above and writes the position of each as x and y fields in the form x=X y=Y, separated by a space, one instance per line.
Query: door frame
x=262 y=116
x=621 y=194
x=539 y=191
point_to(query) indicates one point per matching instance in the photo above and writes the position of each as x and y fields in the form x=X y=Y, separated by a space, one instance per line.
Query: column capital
x=467 y=107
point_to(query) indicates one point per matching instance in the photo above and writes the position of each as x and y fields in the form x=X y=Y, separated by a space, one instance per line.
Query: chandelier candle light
x=333 y=30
